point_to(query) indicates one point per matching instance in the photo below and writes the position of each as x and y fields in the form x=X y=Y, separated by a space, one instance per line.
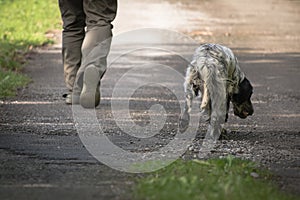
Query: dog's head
x=242 y=105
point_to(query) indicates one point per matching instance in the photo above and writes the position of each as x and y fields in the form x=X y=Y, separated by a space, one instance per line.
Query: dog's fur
x=215 y=76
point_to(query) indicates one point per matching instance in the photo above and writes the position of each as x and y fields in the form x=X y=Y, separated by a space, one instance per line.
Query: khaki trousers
x=86 y=37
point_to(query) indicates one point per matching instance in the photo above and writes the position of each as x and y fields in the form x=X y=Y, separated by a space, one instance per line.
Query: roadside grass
x=23 y=24
x=214 y=179
x=10 y=80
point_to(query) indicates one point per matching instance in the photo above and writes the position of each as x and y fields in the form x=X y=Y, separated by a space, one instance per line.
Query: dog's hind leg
x=217 y=118
x=185 y=115
x=205 y=98
x=189 y=95
x=216 y=88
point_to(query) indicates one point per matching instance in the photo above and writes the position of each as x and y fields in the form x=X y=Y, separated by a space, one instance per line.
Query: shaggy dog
x=215 y=76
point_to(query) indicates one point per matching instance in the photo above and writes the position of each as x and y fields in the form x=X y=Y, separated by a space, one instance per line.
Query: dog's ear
x=244 y=93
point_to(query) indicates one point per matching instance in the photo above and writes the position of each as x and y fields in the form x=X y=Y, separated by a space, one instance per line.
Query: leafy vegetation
x=23 y=24
x=218 y=179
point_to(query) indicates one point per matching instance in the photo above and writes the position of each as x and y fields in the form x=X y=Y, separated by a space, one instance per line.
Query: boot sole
x=90 y=95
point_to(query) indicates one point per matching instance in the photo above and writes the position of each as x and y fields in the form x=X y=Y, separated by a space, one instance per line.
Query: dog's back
x=220 y=58
x=217 y=68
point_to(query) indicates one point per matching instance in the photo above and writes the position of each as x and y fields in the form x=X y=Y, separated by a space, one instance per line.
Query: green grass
x=8 y=80
x=218 y=179
x=23 y=24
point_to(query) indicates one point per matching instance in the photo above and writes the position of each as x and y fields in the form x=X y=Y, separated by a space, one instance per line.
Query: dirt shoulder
x=264 y=26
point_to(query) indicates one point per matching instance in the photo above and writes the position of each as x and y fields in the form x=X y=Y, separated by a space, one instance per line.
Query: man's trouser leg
x=73 y=34
x=95 y=49
x=96 y=44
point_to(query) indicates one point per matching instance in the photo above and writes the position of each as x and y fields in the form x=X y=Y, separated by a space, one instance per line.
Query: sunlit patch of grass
x=219 y=179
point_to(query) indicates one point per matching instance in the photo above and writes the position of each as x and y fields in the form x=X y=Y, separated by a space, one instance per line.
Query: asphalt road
x=42 y=156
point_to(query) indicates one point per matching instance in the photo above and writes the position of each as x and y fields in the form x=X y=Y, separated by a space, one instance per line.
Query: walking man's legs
x=94 y=45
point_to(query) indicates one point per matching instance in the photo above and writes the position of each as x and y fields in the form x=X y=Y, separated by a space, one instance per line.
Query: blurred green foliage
x=23 y=24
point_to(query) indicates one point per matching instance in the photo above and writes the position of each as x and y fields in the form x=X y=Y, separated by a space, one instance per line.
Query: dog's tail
x=214 y=93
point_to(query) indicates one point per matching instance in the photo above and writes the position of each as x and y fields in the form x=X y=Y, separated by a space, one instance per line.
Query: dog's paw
x=184 y=121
